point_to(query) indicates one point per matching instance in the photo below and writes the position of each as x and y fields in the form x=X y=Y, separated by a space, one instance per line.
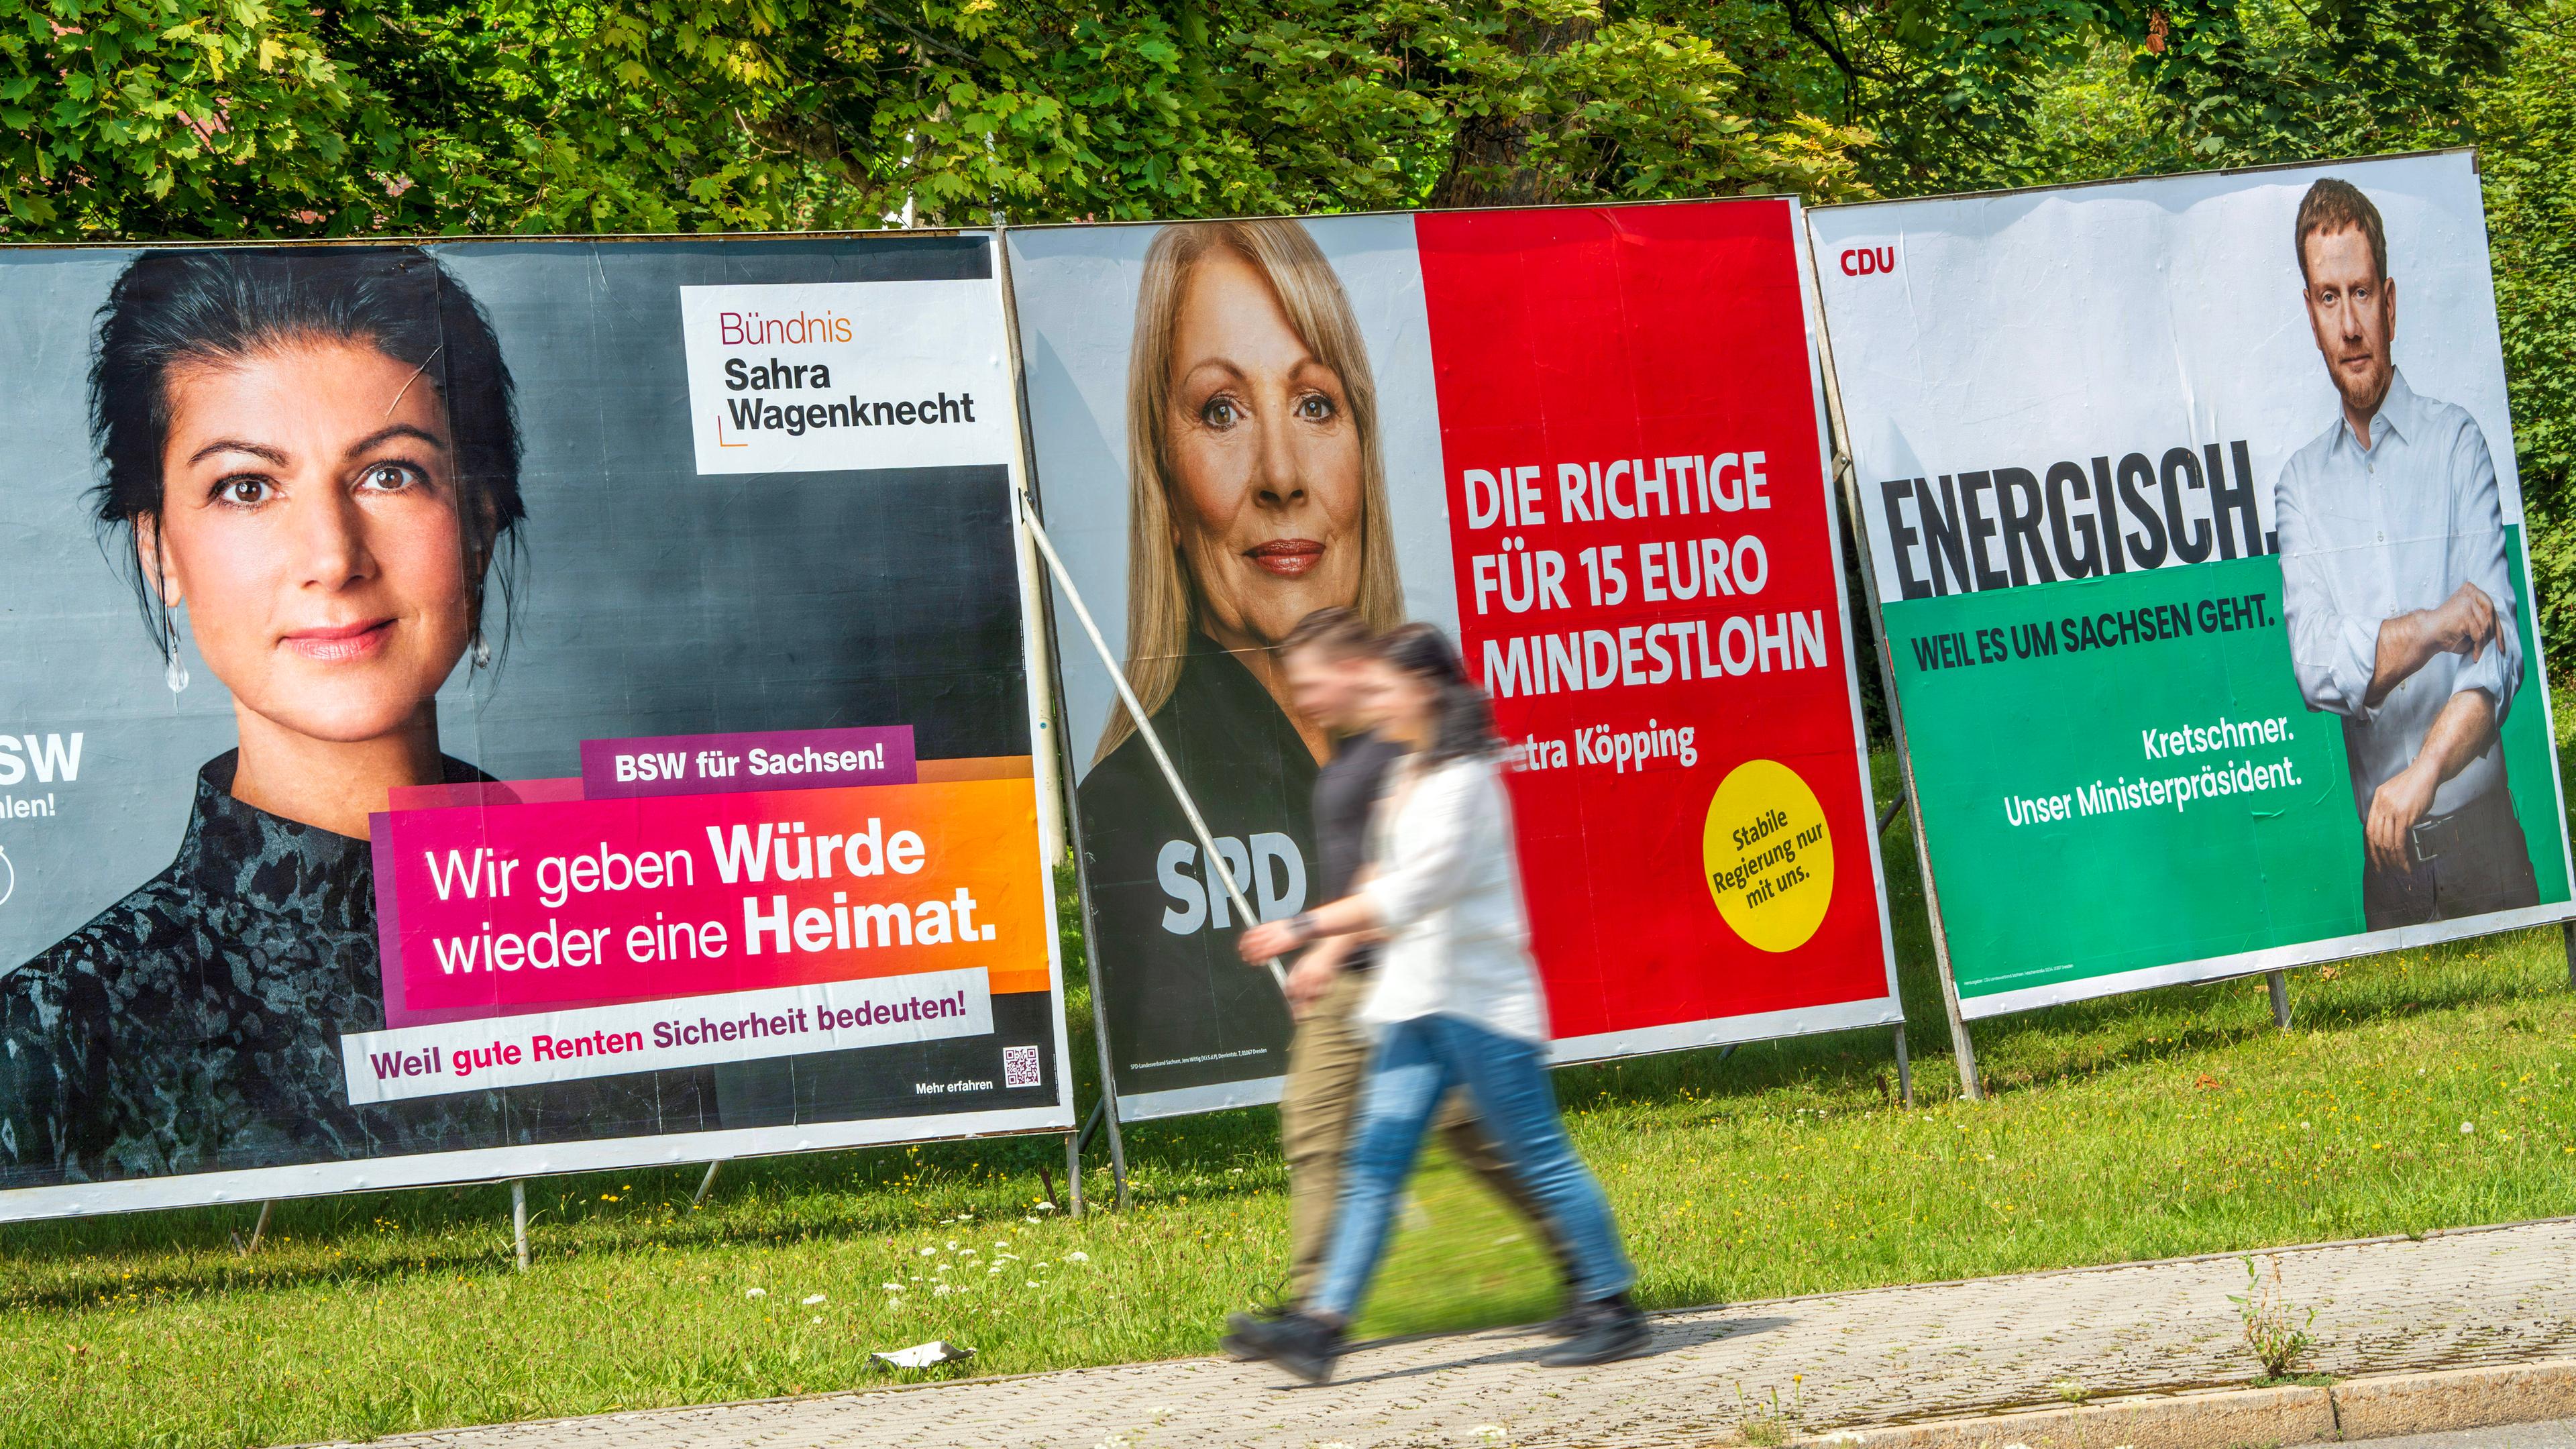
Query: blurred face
x=1263 y=457
x=1325 y=689
x=309 y=523
x=1396 y=702
x=2354 y=313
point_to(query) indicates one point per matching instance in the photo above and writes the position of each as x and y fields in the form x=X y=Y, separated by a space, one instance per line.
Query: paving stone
x=1880 y=1357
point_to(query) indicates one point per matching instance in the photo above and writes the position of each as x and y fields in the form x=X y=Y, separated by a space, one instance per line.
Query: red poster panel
x=1649 y=585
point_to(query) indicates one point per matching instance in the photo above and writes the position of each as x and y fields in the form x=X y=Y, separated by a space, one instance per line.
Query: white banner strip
x=645 y=1036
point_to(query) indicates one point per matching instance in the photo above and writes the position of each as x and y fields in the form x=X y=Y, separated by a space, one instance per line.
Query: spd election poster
x=493 y=708
x=1586 y=442
x=2193 y=514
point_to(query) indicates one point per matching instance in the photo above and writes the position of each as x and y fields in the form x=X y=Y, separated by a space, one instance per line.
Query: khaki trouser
x=1327 y=1061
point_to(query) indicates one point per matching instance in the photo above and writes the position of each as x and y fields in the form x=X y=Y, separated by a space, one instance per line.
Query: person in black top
x=1328 y=1056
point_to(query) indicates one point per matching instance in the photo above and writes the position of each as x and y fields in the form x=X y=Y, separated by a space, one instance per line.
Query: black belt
x=2438 y=835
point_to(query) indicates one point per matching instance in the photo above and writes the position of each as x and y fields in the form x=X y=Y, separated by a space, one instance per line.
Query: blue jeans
x=1415 y=1066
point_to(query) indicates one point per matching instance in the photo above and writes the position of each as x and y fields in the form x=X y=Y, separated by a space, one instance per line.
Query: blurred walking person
x=1456 y=1003
x=1329 y=660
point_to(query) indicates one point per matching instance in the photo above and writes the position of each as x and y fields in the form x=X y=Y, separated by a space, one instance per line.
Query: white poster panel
x=2192 y=510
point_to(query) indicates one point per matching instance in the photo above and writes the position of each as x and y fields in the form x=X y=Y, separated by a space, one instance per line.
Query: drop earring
x=176 y=675
x=482 y=651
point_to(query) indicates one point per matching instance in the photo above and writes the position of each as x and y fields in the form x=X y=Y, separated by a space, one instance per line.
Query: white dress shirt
x=1448 y=895
x=2367 y=534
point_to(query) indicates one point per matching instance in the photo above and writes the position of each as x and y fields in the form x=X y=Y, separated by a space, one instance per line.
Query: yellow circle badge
x=1769 y=855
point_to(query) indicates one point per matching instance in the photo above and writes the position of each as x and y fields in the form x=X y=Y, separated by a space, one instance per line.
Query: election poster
x=1586 y=442
x=2193 y=516
x=495 y=708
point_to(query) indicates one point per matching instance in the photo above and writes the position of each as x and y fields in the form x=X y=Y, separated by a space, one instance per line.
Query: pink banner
x=492 y=910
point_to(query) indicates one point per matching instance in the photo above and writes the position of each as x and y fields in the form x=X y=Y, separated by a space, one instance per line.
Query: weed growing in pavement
x=1767 y=1421
x=2276 y=1332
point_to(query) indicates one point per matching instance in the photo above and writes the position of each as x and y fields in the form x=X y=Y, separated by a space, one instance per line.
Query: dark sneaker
x=1612 y=1329
x=1304 y=1346
x=1236 y=1324
x=1569 y=1321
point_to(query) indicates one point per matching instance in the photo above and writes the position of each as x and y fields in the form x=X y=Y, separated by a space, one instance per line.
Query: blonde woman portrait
x=1256 y=495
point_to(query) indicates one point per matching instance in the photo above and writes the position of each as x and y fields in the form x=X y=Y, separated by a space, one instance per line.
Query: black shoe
x=1237 y=1324
x=1570 y=1320
x=1303 y=1345
x=1612 y=1329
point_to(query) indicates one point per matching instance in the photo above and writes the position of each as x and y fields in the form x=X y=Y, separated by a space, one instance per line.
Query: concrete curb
x=2381 y=1406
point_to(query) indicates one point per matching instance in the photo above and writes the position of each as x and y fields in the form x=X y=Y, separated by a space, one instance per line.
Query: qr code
x=1020 y=1066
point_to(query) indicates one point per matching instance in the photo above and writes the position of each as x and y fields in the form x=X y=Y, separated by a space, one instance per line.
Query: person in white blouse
x=2398 y=597
x=1457 y=1003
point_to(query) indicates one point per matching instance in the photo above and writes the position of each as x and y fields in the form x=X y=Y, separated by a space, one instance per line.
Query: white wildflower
x=2468 y=1127
x=1077 y=1256
x=755 y=1293
x=814 y=1299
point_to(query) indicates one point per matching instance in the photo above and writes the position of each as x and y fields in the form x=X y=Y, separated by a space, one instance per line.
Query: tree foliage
x=2526 y=125
x=229 y=118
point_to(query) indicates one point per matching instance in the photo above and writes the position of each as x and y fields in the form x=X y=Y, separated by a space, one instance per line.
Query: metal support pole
x=1243 y=910
x=1887 y=817
x=1189 y=808
x=519 y=1219
x=1904 y=1066
x=1848 y=480
x=1073 y=1172
x=258 y=1230
x=1062 y=775
x=2567 y=934
x=2280 y=984
x=706 y=1185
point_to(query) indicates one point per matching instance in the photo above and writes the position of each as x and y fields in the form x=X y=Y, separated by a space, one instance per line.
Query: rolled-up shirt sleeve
x=2478 y=555
x=1431 y=848
x=2333 y=653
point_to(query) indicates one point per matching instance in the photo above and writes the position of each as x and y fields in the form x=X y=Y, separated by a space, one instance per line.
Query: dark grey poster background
x=651 y=600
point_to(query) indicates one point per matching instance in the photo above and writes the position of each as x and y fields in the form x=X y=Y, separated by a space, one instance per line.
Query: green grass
x=2165 y=1123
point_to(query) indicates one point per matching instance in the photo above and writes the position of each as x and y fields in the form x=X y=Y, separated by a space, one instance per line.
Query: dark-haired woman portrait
x=310 y=463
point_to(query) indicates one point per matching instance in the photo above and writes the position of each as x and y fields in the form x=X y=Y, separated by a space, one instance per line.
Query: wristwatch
x=1302 y=925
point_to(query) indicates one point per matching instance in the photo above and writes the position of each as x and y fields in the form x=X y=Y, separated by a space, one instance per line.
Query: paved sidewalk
x=2558 y=1435
x=1890 y=1355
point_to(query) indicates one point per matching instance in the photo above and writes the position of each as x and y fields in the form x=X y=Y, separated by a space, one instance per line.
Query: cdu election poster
x=1584 y=441
x=2192 y=509
x=493 y=708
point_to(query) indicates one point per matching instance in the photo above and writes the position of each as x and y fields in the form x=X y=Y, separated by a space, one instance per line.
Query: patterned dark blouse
x=195 y=1025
